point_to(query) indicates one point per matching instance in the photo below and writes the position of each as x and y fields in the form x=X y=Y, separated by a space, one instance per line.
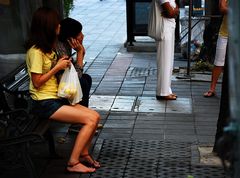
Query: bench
x=18 y=128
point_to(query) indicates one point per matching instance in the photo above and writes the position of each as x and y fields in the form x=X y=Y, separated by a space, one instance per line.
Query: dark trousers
x=86 y=84
x=224 y=113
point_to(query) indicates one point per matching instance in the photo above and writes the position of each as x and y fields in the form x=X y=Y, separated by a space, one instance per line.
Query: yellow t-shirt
x=223 y=31
x=40 y=63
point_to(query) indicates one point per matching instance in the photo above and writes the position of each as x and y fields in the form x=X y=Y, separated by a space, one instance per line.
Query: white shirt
x=172 y=3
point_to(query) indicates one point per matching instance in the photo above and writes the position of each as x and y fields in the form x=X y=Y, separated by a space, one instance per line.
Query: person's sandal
x=168 y=97
x=89 y=161
x=209 y=93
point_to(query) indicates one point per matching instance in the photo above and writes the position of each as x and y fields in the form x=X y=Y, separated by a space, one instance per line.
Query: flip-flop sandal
x=168 y=97
x=89 y=161
x=209 y=94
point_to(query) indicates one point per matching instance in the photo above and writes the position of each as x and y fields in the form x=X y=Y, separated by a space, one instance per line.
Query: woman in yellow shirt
x=42 y=67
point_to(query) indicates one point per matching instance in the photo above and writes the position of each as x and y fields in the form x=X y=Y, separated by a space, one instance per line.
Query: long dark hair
x=43 y=29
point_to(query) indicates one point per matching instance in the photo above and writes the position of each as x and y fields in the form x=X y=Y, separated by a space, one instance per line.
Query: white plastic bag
x=69 y=86
x=155 y=22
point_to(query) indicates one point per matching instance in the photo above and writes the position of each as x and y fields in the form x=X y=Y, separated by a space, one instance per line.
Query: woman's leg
x=85 y=150
x=217 y=70
x=219 y=62
x=79 y=115
x=85 y=157
x=86 y=84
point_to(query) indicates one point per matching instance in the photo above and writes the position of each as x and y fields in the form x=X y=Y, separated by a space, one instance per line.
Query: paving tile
x=123 y=103
x=111 y=135
x=149 y=104
x=117 y=130
x=181 y=105
x=121 y=117
x=206 y=139
x=99 y=102
x=178 y=126
x=180 y=131
x=180 y=138
x=121 y=124
x=147 y=136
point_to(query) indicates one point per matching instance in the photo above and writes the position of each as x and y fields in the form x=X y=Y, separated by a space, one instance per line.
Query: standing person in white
x=165 y=50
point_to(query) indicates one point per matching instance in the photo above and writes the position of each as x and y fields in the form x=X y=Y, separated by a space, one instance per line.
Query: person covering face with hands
x=71 y=37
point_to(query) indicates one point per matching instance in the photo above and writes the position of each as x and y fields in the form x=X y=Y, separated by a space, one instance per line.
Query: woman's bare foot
x=89 y=161
x=79 y=168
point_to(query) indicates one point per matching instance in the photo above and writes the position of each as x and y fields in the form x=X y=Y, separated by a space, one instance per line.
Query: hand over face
x=74 y=43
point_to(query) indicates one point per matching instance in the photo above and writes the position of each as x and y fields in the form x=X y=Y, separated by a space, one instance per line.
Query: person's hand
x=75 y=44
x=63 y=63
x=82 y=49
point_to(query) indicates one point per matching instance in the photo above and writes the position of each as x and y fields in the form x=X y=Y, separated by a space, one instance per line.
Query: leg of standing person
x=79 y=115
x=165 y=58
x=218 y=65
x=217 y=70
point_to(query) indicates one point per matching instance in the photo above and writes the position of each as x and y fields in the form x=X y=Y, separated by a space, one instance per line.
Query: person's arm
x=169 y=11
x=80 y=55
x=223 y=6
x=39 y=79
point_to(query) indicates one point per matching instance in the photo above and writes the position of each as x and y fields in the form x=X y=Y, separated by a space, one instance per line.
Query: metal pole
x=189 y=36
x=130 y=16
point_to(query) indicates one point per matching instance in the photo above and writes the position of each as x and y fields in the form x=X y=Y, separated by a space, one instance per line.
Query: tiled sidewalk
x=141 y=137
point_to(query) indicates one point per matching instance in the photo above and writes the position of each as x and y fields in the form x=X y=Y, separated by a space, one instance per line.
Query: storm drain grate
x=122 y=158
x=143 y=72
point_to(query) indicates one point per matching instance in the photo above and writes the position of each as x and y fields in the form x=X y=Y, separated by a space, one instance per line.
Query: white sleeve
x=162 y=1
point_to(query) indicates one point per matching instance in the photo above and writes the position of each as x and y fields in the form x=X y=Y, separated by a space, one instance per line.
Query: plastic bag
x=69 y=86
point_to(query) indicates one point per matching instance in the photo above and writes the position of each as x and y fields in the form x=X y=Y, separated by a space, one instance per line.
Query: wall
x=15 y=19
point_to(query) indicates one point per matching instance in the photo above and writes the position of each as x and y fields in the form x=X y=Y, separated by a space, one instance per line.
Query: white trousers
x=221 y=49
x=165 y=58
